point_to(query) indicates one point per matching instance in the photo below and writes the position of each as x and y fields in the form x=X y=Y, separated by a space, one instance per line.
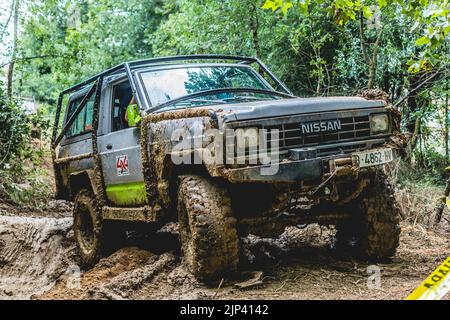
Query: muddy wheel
x=207 y=229
x=88 y=228
x=374 y=230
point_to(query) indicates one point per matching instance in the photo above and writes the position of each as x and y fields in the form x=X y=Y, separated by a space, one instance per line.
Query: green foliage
x=433 y=164
x=430 y=20
x=412 y=175
x=63 y=42
x=14 y=133
x=314 y=46
x=21 y=157
x=323 y=47
x=30 y=190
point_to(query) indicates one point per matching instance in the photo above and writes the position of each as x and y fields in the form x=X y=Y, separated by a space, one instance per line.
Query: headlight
x=379 y=123
x=247 y=138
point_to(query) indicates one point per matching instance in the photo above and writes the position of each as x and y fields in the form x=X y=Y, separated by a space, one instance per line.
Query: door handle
x=109 y=146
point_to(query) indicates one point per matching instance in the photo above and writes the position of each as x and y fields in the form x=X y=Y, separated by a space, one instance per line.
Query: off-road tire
x=93 y=236
x=209 y=240
x=373 y=231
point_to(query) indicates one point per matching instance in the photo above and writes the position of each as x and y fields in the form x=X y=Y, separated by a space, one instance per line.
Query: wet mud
x=38 y=260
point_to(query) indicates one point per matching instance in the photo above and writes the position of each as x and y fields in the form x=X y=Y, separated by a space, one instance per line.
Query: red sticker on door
x=122 y=165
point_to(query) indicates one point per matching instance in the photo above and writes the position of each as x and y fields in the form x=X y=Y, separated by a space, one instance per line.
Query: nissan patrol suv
x=226 y=150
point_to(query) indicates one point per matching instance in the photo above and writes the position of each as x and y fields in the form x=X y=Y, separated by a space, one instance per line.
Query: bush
x=417 y=188
x=22 y=154
x=433 y=164
x=14 y=134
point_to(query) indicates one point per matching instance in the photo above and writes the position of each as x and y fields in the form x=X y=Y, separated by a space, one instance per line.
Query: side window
x=83 y=122
x=122 y=96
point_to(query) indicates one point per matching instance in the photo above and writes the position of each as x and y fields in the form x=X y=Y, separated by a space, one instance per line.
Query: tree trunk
x=371 y=60
x=10 y=75
x=254 y=25
x=412 y=103
x=442 y=201
x=415 y=135
x=441 y=204
x=374 y=61
x=446 y=123
x=362 y=38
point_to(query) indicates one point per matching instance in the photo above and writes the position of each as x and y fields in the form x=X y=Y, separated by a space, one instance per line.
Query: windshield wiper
x=219 y=101
x=245 y=98
x=190 y=101
x=219 y=91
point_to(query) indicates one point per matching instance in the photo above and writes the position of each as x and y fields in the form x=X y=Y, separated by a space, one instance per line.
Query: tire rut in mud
x=123 y=285
x=34 y=253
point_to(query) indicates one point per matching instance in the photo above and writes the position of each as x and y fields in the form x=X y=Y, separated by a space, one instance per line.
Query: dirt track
x=38 y=261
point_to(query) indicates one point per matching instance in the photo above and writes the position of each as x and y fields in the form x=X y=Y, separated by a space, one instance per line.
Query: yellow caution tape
x=436 y=286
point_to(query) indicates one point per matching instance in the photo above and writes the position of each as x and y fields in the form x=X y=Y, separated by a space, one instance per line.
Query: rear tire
x=93 y=236
x=374 y=229
x=207 y=228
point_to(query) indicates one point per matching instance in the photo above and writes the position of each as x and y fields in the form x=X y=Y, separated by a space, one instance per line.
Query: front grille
x=290 y=134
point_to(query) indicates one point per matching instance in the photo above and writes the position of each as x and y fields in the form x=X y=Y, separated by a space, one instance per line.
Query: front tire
x=207 y=228
x=374 y=229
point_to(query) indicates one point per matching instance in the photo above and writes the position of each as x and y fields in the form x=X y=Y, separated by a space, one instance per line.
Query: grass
x=417 y=192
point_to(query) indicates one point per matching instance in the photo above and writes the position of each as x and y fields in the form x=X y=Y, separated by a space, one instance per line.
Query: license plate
x=373 y=157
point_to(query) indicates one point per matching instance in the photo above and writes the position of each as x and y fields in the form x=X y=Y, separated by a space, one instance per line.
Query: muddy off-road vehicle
x=225 y=150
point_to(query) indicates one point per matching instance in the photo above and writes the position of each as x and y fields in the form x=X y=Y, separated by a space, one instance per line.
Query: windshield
x=163 y=86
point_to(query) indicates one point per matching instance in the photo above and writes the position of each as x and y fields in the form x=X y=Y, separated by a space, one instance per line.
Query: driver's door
x=121 y=152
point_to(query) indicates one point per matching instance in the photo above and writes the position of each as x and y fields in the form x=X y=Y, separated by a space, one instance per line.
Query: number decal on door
x=122 y=165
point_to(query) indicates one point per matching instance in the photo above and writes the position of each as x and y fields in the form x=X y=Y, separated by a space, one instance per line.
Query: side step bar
x=143 y=214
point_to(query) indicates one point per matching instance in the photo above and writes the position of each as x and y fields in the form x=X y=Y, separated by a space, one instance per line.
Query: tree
x=10 y=75
x=65 y=41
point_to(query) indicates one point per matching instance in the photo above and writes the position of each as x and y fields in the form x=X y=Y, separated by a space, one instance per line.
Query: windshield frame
x=151 y=108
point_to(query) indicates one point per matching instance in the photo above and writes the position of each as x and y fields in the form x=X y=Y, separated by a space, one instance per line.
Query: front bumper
x=308 y=170
x=288 y=171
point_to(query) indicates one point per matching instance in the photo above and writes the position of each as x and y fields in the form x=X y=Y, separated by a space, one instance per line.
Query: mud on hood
x=286 y=107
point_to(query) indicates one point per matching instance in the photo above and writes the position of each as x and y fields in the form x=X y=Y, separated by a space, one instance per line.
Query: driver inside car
x=132 y=115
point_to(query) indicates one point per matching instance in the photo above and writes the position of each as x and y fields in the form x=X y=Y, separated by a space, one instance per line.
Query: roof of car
x=127 y=67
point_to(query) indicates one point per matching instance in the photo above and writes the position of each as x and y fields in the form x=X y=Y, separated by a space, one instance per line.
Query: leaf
x=382 y=3
x=304 y=6
x=446 y=30
x=367 y=12
x=285 y=7
x=415 y=26
x=269 y=4
x=422 y=41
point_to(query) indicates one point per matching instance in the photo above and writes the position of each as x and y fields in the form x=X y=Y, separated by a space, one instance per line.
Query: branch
x=53 y=56
x=377 y=44
x=5 y=27
x=420 y=86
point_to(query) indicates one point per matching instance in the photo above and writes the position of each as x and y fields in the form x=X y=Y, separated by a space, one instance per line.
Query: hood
x=286 y=107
